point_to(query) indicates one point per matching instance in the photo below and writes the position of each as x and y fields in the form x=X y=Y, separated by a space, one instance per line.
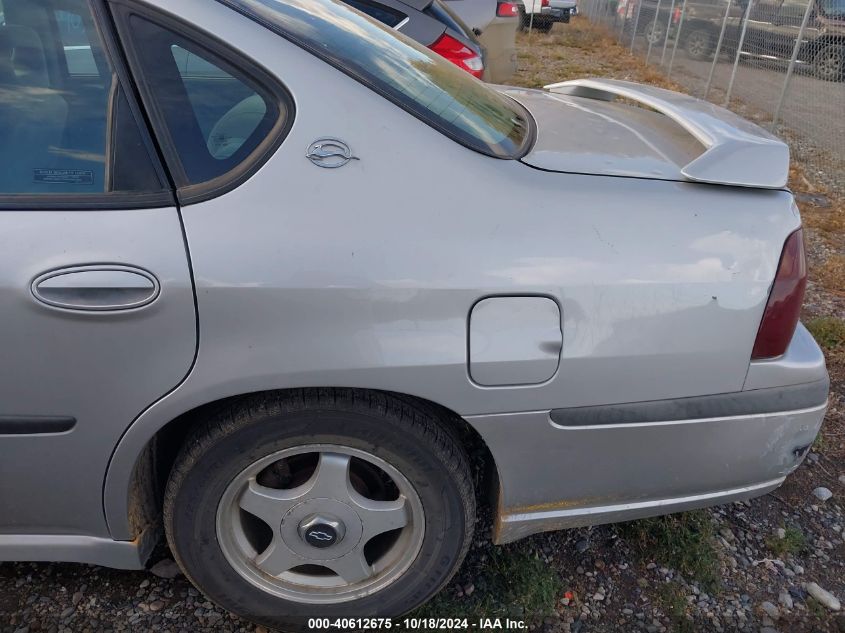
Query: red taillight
x=507 y=10
x=785 y=299
x=460 y=55
x=545 y=3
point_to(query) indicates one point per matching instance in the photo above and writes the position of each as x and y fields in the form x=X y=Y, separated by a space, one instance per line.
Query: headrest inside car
x=22 y=54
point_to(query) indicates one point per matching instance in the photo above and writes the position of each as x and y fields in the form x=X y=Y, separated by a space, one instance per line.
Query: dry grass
x=829 y=221
x=580 y=49
x=831 y=273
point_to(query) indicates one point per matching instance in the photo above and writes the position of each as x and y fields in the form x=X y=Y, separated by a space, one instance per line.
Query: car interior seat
x=236 y=126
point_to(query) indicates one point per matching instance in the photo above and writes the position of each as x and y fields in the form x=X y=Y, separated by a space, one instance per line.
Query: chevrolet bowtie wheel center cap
x=321 y=531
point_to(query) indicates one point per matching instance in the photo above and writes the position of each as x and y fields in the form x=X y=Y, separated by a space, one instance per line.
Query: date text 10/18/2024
x=416 y=624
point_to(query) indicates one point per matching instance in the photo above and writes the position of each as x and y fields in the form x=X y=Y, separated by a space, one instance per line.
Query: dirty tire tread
x=405 y=412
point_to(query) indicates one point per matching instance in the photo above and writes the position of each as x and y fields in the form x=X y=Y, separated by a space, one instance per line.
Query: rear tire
x=655 y=33
x=829 y=63
x=270 y=505
x=699 y=44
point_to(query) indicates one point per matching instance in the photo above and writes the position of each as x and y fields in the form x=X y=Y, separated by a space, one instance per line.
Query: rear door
x=95 y=287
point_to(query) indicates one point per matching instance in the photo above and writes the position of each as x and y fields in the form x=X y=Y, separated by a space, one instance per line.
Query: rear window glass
x=418 y=80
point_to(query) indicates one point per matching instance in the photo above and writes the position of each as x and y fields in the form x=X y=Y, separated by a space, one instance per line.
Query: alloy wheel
x=830 y=63
x=655 y=33
x=320 y=524
x=698 y=44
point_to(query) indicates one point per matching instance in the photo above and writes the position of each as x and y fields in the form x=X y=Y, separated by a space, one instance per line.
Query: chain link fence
x=780 y=63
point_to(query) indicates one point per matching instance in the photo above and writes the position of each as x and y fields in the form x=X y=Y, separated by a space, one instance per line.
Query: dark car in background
x=772 y=30
x=432 y=24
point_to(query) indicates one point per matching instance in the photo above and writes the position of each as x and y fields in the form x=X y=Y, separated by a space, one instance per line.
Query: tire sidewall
x=192 y=525
x=705 y=52
x=654 y=33
x=825 y=75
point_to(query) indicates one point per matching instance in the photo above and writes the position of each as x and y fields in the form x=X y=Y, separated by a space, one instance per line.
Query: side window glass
x=67 y=127
x=217 y=116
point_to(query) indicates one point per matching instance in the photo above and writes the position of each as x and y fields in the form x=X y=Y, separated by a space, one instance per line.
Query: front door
x=96 y=297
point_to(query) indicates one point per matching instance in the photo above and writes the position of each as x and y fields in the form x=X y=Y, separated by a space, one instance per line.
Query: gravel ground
x=768 y=557
x=606 y=584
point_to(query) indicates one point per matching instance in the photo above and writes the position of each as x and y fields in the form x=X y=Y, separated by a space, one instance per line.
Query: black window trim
x=270 y=86
x=530 y=137
x=120 y=200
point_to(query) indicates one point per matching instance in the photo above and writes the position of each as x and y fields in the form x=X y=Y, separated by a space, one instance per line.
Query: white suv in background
x=546 y=13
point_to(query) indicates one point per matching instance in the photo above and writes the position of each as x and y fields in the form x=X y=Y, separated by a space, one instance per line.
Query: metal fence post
x=718 y=50
x=792 y=60
x=621 y=22
x=677 y=39
x=738 y=52
x=531 y=20
x=636 y=22
x=666 y=34
x=653 y=25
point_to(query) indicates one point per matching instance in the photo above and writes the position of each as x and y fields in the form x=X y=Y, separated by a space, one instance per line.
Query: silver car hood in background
x=663 y=134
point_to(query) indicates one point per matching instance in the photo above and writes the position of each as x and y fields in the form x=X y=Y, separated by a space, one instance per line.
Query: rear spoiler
x=736 y=152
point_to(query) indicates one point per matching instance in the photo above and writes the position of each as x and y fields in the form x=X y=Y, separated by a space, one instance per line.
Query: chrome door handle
x=97 y=288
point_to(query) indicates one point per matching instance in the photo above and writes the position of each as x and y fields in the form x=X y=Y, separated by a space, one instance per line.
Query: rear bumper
x=557 y=14
x=574 y=467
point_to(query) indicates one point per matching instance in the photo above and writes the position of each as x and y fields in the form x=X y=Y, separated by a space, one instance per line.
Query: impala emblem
x=329 y=153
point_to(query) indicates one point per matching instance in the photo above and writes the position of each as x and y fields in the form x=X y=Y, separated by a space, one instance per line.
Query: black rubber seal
x=757 y=401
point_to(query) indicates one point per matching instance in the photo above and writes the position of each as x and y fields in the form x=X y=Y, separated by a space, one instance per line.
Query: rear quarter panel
x=364 y=276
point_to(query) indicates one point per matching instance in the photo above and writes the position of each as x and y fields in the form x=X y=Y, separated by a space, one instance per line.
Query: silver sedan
x=284 y=299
